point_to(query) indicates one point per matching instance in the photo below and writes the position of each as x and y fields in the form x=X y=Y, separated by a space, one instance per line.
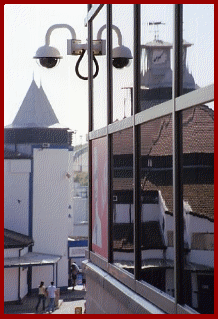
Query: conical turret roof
x=35 y=111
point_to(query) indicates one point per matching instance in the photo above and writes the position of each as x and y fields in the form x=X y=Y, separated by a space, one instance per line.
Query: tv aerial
x=155 y=28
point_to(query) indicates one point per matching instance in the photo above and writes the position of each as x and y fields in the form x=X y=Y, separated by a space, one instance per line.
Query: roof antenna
x=156 y=29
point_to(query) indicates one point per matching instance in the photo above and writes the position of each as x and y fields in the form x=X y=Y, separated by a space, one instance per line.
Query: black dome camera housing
x=47 y=56
x=120 y=63
x=48 y=62
x=121 y=57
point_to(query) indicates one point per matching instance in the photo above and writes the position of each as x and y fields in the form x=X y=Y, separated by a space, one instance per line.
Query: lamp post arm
x=115 y=28
x=59 y=26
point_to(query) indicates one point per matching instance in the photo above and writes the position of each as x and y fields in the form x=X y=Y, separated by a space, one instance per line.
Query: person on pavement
x=41 y=296
x=74 y=273
x=51 y=294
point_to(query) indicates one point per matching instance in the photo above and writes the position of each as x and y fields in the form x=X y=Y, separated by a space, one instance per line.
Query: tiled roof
x=156 y=135
x=13 y=239
x=198 y=138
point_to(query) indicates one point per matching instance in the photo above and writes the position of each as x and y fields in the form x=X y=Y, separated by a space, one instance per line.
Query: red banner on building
x=100 y=197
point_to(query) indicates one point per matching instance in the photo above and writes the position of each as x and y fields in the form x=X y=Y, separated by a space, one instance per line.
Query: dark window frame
x=178 y=103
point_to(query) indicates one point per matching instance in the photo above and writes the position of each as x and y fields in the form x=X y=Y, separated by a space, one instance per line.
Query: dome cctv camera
x=48 y=62
x=120 y=63
x=48 y=56
x=121 y=57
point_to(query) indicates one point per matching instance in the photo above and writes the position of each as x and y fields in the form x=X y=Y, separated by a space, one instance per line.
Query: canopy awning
x=31 y=259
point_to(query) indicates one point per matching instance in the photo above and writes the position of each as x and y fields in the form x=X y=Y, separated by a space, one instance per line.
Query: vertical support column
x=19 y=298
x=56 y=274
x=30 y=230
x=177 y=158
x=53 y=278
x=90 y=124
x=136 y=141
x=109 y=137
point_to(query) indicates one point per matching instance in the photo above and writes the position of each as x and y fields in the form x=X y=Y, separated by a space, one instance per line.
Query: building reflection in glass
x=157 y=251
x=123 y=209
x=198 y=210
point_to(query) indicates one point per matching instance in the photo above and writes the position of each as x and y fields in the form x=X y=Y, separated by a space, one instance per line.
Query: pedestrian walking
x=84 y=281
x=74 y=273
x=41 y=296
x=51 y=294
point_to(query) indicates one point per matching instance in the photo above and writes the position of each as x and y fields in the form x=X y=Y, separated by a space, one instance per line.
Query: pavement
x=68 y=301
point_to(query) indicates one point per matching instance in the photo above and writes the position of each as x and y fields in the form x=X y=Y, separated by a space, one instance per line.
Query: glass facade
x=123 y=208
x=122 y=18
x=157 y=226
x=151 y=154
x=156 y=54
x=100 y=81
x=198 y=206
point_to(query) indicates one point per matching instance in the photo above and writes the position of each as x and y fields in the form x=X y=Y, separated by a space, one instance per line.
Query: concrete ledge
x=106 y=295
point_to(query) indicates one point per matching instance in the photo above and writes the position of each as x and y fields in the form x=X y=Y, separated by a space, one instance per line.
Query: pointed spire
x=36 y=110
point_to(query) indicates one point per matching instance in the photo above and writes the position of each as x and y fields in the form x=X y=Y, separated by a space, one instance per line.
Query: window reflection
x=156 y=51
x=123 y=77
x=123 y=209
x=100 y=82
x=157 y=252
x=198 y=21
x=198 y=210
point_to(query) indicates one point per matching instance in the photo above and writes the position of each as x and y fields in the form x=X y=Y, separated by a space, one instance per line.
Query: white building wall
x=80 y=209
x=152 y=253
x=10 y=284
x=42 y=273
x=23 y=282
x=16 y=195
x=11 y=277
x=50 y=206
x=70 y=177
x=81 y=230
x=199 y=225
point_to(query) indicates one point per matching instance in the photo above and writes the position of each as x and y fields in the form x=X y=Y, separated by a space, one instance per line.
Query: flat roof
x=31 y=259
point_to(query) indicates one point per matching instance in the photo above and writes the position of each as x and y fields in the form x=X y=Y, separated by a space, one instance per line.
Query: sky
x=25 y=26
x=25 y=29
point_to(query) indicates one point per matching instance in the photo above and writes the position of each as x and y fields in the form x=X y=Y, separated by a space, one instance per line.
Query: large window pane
x=99 y=197
x=156 y=54
x=198 y=34
x=122 y=75
x=100 y=82
x=157 y=225
x=123 y=210
x=198 y=207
